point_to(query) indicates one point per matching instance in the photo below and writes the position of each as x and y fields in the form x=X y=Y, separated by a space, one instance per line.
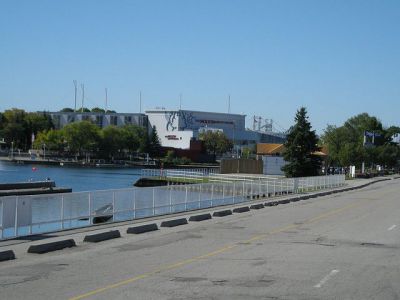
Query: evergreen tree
x=154 y=143
x=300 y=146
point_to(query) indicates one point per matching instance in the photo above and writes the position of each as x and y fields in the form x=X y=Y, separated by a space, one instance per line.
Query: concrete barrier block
x=257 y=206
x=142 y=229
x=7 y=255
x=285 y=201
x=222 y=213
x=198 y=218
x=241 y=209
x=49 y=247
x=103 y=236
x=173 y=223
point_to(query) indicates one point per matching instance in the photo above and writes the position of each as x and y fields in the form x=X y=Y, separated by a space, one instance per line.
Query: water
x=77 y=178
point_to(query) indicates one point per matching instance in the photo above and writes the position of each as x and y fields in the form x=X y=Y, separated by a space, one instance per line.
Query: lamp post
x=12 y=150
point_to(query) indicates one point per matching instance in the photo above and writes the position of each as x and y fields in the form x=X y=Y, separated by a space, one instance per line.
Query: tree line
x=346 y=145
x=35 y=130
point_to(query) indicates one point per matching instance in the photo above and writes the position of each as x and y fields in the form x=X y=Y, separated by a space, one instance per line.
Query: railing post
x=16 y=217
x=154 y=203
x=134 y=203
x=274 y=187
x=186 y=195
x=212 y=194
x=170 y=200
x=62 y=213
x=233 y=192
x=201 y=185
x=113 y=204
x=90 y=208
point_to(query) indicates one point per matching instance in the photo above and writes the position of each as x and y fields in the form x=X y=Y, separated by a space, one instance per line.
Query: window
x=128 y=120
x=114 y=120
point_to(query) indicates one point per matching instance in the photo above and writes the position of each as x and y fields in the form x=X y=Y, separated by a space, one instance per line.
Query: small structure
x=272 y=157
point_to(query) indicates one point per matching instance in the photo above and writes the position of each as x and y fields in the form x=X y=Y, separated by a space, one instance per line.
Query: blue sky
x=337 y=58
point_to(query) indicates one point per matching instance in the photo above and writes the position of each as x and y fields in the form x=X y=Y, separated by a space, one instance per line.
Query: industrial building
x=176 y=128
x=101 y=119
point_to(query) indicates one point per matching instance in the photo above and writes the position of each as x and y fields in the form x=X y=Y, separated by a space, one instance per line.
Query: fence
x=27 y=215
x=197 y=174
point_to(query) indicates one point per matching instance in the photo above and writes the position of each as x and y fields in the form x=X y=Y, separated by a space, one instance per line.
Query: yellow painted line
x=214 y=253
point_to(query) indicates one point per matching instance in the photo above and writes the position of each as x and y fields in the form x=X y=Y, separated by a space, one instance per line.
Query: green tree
x=15 y=128
x=216 y=142
x=67 y=109
x=134 y=137
x=154 y=145
x=81 y=136
x=98 y=110
x=112 y=141
x=300 y=146
x=53 y=139
x=346 y=143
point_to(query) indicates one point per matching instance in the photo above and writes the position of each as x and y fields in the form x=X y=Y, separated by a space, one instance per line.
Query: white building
x=176 y=128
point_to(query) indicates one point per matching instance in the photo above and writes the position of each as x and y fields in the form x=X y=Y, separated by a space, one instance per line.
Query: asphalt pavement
x=339 y=246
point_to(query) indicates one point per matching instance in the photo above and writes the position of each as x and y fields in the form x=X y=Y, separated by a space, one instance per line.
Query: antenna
x=76 y=90
x=229 y=103
x=140 y=101
x=180 y=101
x=106 y=100
x=83 y=95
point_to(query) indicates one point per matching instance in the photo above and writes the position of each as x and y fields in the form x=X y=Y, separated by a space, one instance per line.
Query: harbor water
x=77 y=178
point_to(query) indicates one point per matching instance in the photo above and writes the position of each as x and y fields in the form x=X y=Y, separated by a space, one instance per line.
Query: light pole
x=12 y=150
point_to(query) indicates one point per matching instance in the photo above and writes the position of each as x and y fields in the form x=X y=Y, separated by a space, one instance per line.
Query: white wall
x=273 y=165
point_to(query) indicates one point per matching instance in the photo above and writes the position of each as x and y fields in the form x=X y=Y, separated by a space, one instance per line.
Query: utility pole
x=76 y=91
x=83 y=95
x=105 y=110
x=140 y=101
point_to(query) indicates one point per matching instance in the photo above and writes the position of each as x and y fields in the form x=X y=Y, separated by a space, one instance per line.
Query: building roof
x=269 y=149
x=273 y=149
x=163 y=110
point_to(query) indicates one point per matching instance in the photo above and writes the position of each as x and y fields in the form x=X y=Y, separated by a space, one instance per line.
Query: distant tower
x=105 y=109
x=76 y=91
x=83 y=95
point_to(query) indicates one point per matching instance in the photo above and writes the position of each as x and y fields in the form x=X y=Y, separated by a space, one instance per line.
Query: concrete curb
x=257 y=206
x=173 y=223
x=99 y=237
x=49 y=247
x=241 y=209
x=199 y=218
x=222 y=213
x=142 y=228
x=7 y=255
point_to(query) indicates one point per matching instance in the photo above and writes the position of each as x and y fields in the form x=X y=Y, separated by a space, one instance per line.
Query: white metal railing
x=193 y=173
x=26 y=215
